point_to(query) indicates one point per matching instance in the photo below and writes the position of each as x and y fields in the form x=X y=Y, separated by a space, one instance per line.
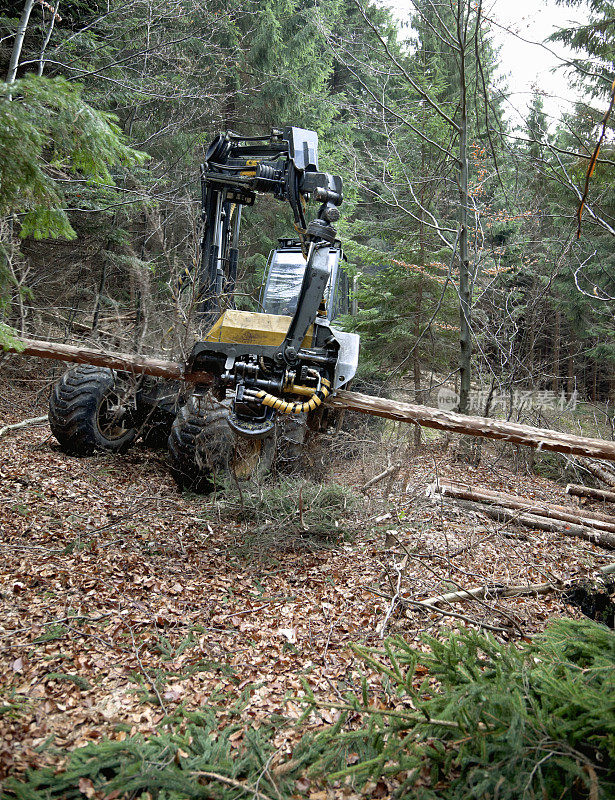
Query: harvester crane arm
x=270 y=359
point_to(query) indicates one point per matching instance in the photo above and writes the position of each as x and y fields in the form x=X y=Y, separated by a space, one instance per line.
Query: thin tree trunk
x=22 y=27
x=556 y=351
x=101 y=289
x=378 y=406
x=549 y=511
x=465 y=332
x=41 y=59
x=570 y=379
x=593 y=535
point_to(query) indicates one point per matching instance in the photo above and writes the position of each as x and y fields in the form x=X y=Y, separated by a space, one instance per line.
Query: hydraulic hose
x=283 y=407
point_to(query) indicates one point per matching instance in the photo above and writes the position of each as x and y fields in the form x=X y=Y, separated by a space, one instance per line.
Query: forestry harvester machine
x=272 y=369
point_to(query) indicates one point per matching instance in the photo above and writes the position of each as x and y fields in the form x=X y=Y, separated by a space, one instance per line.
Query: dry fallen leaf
x=86 y=787
x=174 y=692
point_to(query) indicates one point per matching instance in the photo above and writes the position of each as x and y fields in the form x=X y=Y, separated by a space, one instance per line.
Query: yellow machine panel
x=250 y=327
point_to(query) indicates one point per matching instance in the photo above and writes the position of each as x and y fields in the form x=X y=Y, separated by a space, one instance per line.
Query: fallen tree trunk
x=513 y=432
x=123 y=362
x=554 y=512
x=535 y=522
x=485 y=592
x=499 y=590
x=540 y=438
x=589 y=491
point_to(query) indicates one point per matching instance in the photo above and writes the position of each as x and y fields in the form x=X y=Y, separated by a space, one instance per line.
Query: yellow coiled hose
x=283 y=407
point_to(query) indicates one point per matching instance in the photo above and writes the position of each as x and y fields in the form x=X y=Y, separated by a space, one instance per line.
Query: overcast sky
x=525 y=64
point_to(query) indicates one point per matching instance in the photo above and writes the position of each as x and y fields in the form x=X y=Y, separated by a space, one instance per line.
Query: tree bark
x=22 y=27
x=599 y=473
x=465 y=329
x=540 y=438
x=546 y=510
x=123 y=362
x=598 y=537
x=481 y=592
x=588 y=491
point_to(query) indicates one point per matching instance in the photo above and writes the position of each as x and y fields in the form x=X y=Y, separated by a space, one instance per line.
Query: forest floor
x=122 y=600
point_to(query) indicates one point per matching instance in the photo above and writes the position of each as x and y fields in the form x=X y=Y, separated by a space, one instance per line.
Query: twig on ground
x=23 y=424
x=232 y=782
x=380 y=477
x=59 y=621
x=399 y=568
x=146 y=675
x=416 y=604
x=425 y=607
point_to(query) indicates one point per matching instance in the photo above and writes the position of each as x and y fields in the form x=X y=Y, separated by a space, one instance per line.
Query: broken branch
x=23 y=424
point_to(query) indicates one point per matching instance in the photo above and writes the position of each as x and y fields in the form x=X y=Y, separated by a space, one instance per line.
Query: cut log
x=535 y=522
x=513 y=432
x=555 y=512
x=123 y=362
x=589 y=491
x=540 y=438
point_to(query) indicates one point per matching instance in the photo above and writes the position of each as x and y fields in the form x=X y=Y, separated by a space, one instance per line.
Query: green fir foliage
x=49 y=136
x=487 y=719
x=168 y=765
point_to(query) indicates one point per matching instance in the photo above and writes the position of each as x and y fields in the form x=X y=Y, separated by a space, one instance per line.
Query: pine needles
x=191 y=759
x=295 y=510
x=471 y=718
x=487 y=720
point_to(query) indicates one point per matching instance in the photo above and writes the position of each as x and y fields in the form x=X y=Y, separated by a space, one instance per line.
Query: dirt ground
x=121 y=598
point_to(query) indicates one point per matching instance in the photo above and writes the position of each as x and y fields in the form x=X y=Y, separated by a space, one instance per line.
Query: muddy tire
x=158 y=402
x=204 y=452
x=87 y=412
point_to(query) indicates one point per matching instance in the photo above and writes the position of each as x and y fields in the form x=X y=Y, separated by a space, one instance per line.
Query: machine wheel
x=158 y=402
x=203 y=449
x=87 y=412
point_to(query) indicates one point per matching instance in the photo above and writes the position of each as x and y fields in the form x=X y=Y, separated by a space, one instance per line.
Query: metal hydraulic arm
x=263 y=375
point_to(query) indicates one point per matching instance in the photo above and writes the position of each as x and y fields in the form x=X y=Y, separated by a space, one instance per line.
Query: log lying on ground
x=500 y=590
x=554 y=512
x=540 y=438
x=535 y=522
x=599 y=472
x=589 y=491
x=486 y=592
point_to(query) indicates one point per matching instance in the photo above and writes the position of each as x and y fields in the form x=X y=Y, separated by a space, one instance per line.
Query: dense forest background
x=472 y=269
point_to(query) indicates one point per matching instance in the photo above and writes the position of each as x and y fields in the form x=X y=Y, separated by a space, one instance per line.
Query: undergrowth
x=188 y=758
x=475 y=718
x=471 y=718
x=295 y=507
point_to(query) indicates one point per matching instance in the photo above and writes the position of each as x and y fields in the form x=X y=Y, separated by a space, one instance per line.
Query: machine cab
x=284 y=276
